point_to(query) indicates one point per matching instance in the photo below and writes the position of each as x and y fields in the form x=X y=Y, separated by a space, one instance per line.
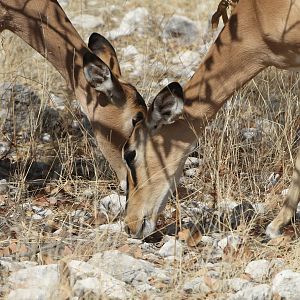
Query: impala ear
x=99 y=76
x=105 y=51
x=166 y=107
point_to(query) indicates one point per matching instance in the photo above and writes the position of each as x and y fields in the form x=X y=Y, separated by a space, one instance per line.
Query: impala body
x=259 y=34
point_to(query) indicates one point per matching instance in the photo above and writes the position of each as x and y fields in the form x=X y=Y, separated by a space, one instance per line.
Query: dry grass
x=234 y=169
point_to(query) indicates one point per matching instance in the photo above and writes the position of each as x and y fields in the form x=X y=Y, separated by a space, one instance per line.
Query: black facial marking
x=129 y=158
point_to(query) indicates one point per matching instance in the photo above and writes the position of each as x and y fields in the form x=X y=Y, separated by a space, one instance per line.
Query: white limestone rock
x=258 y=269
x=237 y=284
x=192 y=162
x=172 y=247
x=30 y=278
x=287 y=284
x=87 y=21
x=29 y=294
x=196 y=285
x=192 y=172
x=113 y=204
x=126 y=268
x=101 y=287
x=180 y=28
x=233 y=241
x=259 y=292
x=135 y=21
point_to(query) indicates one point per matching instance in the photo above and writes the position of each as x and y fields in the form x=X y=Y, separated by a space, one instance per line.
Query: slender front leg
x=290 y=205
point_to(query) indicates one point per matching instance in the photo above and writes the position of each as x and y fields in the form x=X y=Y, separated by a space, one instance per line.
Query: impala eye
x=139 y=116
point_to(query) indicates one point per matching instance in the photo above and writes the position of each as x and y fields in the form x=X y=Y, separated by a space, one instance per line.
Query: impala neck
x=45 y=27
x=233 y=60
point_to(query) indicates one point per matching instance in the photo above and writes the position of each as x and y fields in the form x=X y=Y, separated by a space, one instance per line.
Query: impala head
x=118 y=104
x=154 y=155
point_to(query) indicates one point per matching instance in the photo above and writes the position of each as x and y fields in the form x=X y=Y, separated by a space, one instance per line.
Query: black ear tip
x=175 y=88
x=94 y=37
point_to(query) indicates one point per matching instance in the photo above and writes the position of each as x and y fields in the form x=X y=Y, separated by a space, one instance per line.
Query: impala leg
x=290 y=205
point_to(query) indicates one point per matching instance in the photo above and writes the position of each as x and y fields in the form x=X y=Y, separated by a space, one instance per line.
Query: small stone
x=237 y=284
x=129 y=52
x=196 y=285
x=187 y=59
x=181 y=28
x=3 y=186
x=112 y=227
x=232 y=241
x=88 y=21
x=172 y=247
x=102 y=286
x=193 y=172
x=258 y=269
x=36 y=217
x=259 y=292
x=192 y=162
x=136 y=20
x=4 y=148
x=286 y=284
x=127 y=268
x=46 y=137
x=113 y=204
x=251 y=134
x=57 y=101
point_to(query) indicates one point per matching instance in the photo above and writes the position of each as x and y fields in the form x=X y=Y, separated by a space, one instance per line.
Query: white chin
x=148 y=228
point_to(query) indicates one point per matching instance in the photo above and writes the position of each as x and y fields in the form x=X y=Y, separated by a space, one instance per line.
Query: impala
x=92 y=72
x=259 y=34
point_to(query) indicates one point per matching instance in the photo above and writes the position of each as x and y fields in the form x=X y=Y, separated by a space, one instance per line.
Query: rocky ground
x=61 y=230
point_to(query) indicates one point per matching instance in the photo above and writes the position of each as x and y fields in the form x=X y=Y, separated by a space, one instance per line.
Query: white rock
x=87 y=21
x=4 y=148
x=36 y=217
x=258 y=269
x=260 y=208
x=237 y=284
x=30 y=278
x=259 y=292
x=129 y=52
x=3 y=186
x=233 y=241
x=57 y=102
x=196 y=285
x=192 y=162
x=101 y=287
x=251 y=134
x=285 y=192
x=126 y=268
x=29 y=294
x=187 y=59
x=136 y=20
x=112 y=227
x=113 y=204
x=182 y=28
x=13 y=266
x=46 y=137
x=193 y=172
x=172 y=247
x=287 y=284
